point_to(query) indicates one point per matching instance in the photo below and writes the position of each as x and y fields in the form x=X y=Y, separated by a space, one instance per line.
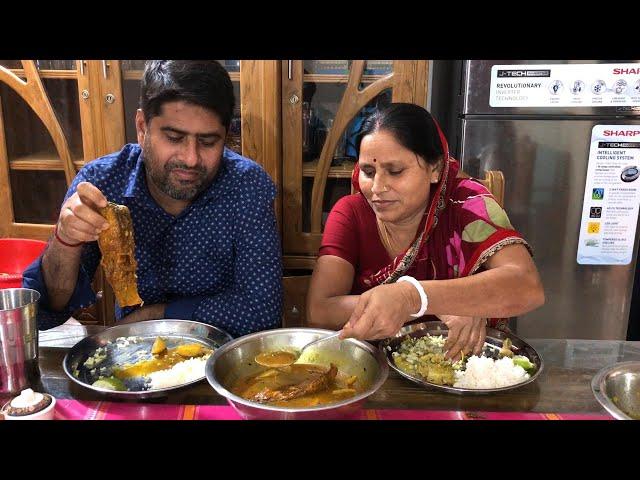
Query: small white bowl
x=45 y=414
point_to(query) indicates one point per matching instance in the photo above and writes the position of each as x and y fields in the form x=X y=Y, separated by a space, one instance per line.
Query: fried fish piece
x=118 y=260
x=316 y=383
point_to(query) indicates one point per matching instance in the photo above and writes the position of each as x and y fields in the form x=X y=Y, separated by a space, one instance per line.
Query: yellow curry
x=298 y=385
x=163 y=358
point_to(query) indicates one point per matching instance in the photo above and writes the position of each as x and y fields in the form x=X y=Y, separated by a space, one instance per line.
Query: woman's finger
x=452 y=336
x=358 y=311
x=381 y=329
x=363 y=327
x=347 y=329
x=482 y=335
x=474 y=336
x=461 y=338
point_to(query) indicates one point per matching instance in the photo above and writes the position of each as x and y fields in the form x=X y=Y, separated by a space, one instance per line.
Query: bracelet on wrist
x=424 y=300
x=66 y=244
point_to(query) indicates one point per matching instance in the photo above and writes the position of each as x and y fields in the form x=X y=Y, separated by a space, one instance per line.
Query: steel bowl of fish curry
x=263 y=376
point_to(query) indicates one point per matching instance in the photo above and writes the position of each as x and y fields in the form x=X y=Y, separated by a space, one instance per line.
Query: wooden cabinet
x=296 y=118
x=55 y=115
x=323 y=105
x=42 y=143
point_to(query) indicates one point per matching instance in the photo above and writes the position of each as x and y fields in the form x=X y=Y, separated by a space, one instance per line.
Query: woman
x=416 y=239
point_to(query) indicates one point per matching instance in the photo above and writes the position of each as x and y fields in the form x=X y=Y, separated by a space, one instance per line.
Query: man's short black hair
x=200 y=82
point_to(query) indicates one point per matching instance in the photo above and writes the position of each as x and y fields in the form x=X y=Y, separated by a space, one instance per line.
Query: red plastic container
x=16 y=254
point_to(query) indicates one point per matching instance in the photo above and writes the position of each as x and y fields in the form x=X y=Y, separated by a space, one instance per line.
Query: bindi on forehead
x=374 y=160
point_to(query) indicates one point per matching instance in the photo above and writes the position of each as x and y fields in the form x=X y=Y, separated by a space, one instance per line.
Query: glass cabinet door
x=44 y=130
x=324 y=104
x=131 y=76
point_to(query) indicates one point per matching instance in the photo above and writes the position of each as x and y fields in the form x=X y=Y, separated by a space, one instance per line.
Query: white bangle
x=424 y=301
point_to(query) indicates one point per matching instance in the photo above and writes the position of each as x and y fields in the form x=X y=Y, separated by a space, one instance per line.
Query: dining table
x=561 y=392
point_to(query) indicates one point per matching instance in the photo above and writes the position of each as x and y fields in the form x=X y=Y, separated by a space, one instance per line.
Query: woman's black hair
x=412 y=126
x=200 y=82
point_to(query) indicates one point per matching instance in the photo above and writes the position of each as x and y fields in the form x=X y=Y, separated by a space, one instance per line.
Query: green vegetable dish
x=424 y=358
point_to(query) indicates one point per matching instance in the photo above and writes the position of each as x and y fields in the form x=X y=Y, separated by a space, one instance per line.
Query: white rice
x=122 y=342
x=484 y=372
x=183 y=372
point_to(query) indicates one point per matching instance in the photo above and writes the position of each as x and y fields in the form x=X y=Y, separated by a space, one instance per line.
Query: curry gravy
x=341 y=388
x=278 y=358
x=162 y=361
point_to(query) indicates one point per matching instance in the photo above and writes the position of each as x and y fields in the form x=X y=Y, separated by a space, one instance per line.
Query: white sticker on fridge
x=568 y=85
x=611 y=196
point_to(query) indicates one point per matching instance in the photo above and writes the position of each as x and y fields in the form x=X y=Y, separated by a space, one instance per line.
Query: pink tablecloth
x=83 y=410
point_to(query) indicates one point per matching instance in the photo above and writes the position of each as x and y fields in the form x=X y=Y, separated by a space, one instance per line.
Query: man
x=205 y=232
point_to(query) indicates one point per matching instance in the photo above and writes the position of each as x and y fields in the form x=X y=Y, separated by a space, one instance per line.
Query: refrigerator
x=538 y=122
